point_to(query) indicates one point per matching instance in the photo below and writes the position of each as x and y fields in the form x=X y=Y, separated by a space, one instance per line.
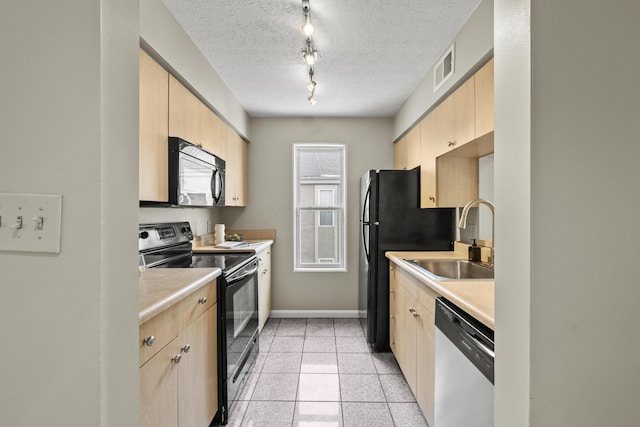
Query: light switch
x=30 y=222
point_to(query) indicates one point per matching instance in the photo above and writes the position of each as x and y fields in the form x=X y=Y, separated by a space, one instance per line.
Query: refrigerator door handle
x=364 y=241
x=365 y=208
x=365 y=204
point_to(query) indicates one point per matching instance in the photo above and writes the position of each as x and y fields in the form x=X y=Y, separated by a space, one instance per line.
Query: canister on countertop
x=218 y=234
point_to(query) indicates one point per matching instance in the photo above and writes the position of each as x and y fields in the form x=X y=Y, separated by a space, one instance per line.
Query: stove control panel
x=157 y=236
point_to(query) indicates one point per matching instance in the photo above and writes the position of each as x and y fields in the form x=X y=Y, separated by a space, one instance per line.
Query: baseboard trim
x=306 y=314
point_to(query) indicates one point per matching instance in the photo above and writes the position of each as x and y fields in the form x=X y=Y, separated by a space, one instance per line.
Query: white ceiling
x=373 y=53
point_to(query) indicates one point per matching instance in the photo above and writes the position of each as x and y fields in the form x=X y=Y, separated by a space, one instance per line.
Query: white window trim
x=343 y=209
x=333 y=198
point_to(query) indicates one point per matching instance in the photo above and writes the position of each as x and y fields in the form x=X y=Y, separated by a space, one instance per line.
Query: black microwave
x=196 y=176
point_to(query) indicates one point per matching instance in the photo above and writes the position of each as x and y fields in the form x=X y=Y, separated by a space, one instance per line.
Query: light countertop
x=254 y=246
x=161 y=288
x=476 y=297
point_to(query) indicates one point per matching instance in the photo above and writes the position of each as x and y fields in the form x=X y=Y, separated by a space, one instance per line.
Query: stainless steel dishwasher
x=464 y=369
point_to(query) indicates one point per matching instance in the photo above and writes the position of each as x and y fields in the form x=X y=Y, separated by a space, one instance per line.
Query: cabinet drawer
x=427 y=297
x=421 y=292
x=407 y=282
x=194 y=305
x=156 y=333
x=165 y=326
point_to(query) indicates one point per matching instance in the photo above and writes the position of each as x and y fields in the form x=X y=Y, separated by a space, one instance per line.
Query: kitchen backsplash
x=202 y=220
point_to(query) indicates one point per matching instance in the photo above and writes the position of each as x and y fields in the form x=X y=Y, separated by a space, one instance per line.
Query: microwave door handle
x=216 y=185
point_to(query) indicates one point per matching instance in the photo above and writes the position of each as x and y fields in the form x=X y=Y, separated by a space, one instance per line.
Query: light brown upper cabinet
x=187 y=115
x=452 y=138
x=153 y=146
x=236 y=169
x=456 y=119
x=169 y=108
x=407 y=150
x=429 y=132
x=448 y=127
x=400 y=153
x=484 y=99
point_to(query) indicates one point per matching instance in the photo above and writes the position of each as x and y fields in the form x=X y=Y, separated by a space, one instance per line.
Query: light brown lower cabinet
x=412 y=335
x=179 y=384
x=264 y=286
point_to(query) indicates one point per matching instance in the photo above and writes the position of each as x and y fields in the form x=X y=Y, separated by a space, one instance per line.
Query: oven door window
x=199 y=182
x=242 y=319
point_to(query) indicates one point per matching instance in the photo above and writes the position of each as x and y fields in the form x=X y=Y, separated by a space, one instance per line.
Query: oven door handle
x=244 y=272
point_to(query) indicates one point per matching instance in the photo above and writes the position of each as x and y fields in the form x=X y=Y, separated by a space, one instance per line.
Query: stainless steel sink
x=456 y=269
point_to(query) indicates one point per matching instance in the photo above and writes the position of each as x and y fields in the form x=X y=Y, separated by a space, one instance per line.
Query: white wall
x=201 y=220
x=512 y=144
x=69 y=120
x=474 y=43
x=567 y=131
x=270 y=184
x=160 y=30
x=585 y=107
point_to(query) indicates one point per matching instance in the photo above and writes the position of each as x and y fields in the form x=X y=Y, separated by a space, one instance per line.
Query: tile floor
x=320 y=372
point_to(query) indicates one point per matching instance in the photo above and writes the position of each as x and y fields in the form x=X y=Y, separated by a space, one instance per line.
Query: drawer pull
x=149 y=341
x=203 y=300
x=186 y=348
x=176 y=359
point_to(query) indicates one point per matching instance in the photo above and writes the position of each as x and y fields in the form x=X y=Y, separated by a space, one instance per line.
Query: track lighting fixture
x=307 y=28
x=309 y=54
x=312 y=87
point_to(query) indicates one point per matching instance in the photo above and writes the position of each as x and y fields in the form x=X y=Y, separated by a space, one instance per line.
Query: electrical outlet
x=30 y=222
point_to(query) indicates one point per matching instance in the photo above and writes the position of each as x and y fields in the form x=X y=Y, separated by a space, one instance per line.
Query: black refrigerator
x=391 y=220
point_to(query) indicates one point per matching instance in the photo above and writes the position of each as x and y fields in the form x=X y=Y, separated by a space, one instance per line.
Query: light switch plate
x=30 y=222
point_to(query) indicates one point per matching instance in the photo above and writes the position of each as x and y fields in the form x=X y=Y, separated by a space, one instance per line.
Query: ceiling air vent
x=444 y=68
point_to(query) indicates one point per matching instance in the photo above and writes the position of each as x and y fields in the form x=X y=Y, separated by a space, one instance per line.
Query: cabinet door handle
x=433 y=199
x=451 y=143
x=186 y=348
x=392 y=291
x=412 y=310
x=203 y=300
x=392 y=317
x=149 y=341
x=176 y=359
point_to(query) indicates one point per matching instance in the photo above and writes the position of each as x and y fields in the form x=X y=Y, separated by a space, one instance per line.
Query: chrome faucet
x=462 y=224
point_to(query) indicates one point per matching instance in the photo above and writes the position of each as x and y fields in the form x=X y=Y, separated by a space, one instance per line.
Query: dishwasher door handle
x=479 y=344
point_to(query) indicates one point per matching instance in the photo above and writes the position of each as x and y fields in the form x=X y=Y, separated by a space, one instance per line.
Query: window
x=319 y=196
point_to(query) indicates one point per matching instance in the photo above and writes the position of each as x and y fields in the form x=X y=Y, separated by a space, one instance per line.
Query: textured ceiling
x=373 y=53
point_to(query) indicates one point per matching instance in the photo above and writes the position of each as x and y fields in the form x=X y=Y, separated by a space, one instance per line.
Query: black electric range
x=168 y=245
